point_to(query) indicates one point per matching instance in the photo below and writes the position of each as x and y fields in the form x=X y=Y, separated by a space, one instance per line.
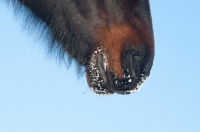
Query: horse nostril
x=102 y=66
x=96 y=73
x=102 y=62
x=133 y=64
x=137 y=65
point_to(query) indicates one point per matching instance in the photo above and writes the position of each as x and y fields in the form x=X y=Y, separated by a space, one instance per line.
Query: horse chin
x=103 y=80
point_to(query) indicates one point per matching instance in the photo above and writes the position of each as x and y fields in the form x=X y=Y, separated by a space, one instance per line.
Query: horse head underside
x=113 y=39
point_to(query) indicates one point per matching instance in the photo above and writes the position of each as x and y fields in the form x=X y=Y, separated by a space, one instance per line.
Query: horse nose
x=133 y=77
x=102 y=80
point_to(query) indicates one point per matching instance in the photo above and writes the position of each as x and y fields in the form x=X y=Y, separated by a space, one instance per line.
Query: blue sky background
x=37 y=94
